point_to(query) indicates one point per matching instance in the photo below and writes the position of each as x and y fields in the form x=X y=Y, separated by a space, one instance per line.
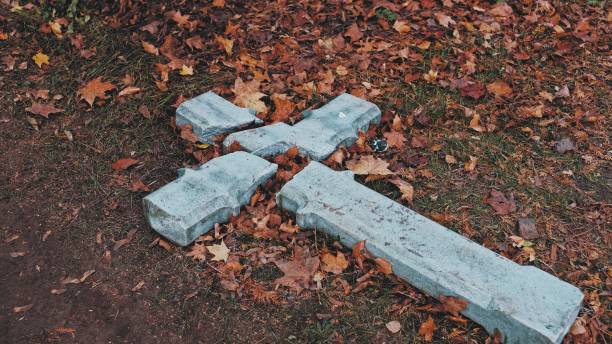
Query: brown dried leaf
x=43 y=109
x=334 y=263
x=427 y=329
x=93 y=89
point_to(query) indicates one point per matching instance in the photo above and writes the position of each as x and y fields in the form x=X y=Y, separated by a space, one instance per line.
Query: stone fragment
x=210 y=115
x=526 y=304
x=317 y=135
x=191 y=205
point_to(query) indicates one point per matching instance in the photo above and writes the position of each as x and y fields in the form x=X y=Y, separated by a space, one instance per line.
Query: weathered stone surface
x=526 y=304
x=210 y=115
x=190 y=206
x=317 y=135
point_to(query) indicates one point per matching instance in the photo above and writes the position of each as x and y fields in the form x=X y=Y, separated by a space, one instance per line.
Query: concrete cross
x=526 y=304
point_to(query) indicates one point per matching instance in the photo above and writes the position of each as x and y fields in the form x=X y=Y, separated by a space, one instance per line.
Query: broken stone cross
x=526 y=304
x=317 y=135
x=210 y=115
x=191 y=205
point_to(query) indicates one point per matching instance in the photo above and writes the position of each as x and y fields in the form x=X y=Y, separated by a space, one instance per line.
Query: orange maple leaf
x=95 y=88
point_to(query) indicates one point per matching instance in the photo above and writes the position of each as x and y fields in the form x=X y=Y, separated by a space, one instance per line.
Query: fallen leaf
x=395 y=139
x=226 y=44
x=401 y=26
x=197 y=252
x=128 y=238
x=383 y=266
x=21 y=309
x=499 y=89
x=95 y=88
x=64 y=330
x=498 y=201
x=453 y=305
x=283 y=107
x=369 y=165
x=186 y=70
x=219 y=251
x=187 y=133
x=149 y=48
x=195 y=42
x=137 y=185
x=43 y=109
x=334 y=263
x=86 y=275
x=394 y=326
x=444 y=20
x=40 y=59
x=298 y=272
x=427 y=329
x=138 y=286
x=248 y=95
x=450 y=159
x=354 y=33
x=128 y=91
x=123 y=164
x=470 y=165
x=405 y=188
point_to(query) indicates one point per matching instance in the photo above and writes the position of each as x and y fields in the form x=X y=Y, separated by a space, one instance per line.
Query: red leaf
x=123 y=164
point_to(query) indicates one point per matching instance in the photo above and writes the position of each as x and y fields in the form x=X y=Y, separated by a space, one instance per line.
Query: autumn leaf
x=149 y=48
x=427 y=329
x=95 y=88
x=470 y=165
x=128 y=91
x=187 y=133
x=383 y=266
x=369 y=165
x=334 y=263
x=186 y=70
x=123 y=164
x=21 y=309
x=226 y=44
x=354 y=33
x=195 y=42
x=197 y=252
x=248 y=95
x=299 y=271
x=219 y=251
x=453 y=305
x=444 y=20
x=499 y=89
x=500 y=203
x=40 y=59
x=395 y=139
x=128 y=238
x=43 y=109
x=405 y=188
x=360 y=253
x=401 y=26
x=283 y=107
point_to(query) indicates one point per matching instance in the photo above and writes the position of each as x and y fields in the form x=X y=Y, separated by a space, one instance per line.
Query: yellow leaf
x=56 y=28
x=227 y=44
x=40 y=59
x=186 y=70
